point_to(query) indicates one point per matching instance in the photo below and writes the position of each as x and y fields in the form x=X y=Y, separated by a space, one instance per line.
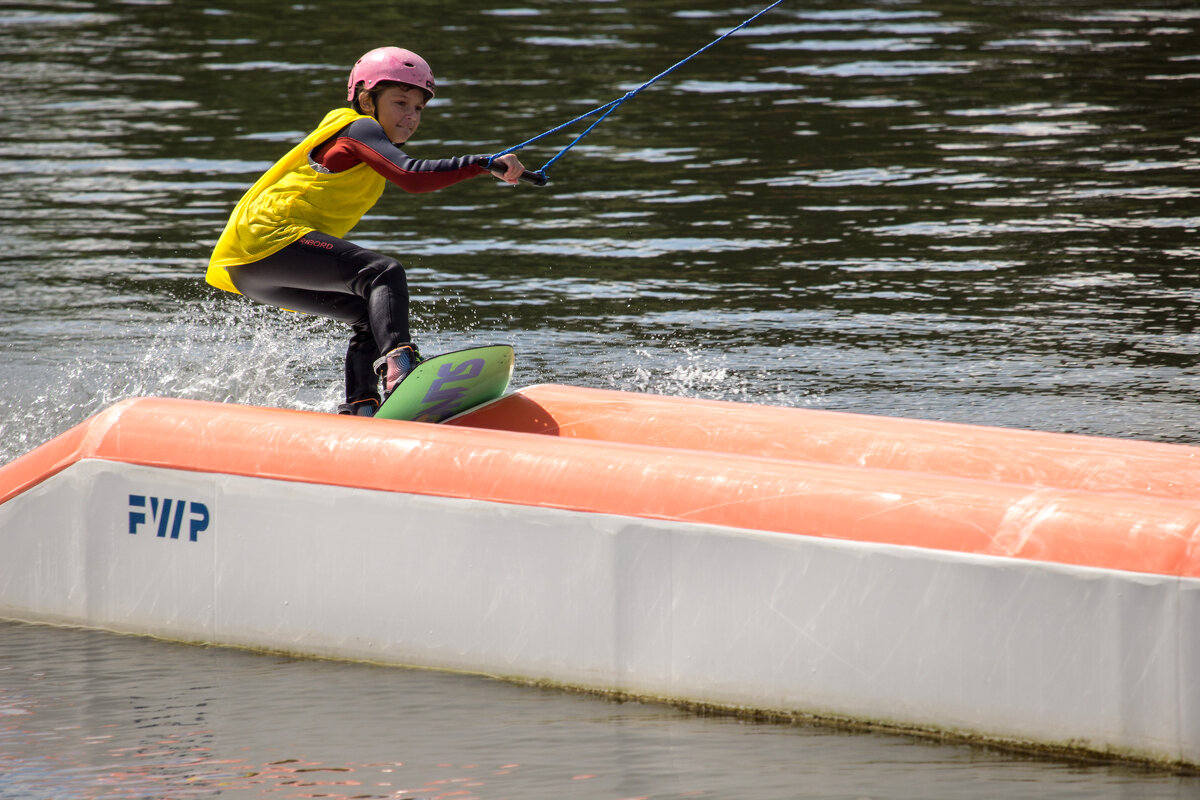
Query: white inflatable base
x=1005 y=650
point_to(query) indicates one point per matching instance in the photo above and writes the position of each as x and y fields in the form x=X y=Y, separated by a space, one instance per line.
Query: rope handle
x=537 y=178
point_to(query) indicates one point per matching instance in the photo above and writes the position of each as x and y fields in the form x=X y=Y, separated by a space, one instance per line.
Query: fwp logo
x=167 y=516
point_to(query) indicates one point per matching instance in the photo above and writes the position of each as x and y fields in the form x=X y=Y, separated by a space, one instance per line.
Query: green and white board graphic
x=450 y=384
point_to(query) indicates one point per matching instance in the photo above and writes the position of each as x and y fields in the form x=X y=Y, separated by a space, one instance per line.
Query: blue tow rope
x=540 y=178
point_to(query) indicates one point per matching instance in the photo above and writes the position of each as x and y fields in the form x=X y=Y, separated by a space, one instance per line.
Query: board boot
x=395 y=365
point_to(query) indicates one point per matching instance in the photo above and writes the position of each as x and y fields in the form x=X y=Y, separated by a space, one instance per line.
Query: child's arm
x=364 y=141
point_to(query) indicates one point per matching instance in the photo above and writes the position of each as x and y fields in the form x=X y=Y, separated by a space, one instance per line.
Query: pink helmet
x=390 y=64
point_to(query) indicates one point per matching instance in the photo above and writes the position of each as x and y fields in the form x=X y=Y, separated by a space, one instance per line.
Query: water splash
x=221 y=350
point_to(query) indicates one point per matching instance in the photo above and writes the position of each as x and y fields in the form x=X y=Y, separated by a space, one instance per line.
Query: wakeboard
x=443 y=386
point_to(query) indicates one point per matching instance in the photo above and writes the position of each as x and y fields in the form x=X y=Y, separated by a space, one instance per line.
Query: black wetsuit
x=331 y=277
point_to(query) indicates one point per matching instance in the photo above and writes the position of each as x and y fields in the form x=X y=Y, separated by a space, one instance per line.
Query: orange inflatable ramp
x=1066 y=499
x=1034 y=458
x=1011 y=586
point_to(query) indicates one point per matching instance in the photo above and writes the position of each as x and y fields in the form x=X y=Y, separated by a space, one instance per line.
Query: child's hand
x=507 y=168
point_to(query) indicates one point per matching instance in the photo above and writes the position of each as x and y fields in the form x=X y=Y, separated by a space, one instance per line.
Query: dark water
x=969 y=211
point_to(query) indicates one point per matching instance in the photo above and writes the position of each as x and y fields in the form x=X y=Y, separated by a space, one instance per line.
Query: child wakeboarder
x=283 y=242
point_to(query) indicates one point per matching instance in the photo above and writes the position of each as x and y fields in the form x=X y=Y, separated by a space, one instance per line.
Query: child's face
x=399 y=112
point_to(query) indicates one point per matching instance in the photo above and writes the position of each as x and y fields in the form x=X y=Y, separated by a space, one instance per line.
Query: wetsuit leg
x=331 y=277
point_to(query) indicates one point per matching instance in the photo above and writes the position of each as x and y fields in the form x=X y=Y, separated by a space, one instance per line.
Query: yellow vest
x=291 y=199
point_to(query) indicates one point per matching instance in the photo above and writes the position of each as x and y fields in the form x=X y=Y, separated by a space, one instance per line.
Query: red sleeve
x=364 y=141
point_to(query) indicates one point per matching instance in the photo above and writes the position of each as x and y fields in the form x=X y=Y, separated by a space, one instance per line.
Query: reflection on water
x=92 y=715
x=962 y=211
